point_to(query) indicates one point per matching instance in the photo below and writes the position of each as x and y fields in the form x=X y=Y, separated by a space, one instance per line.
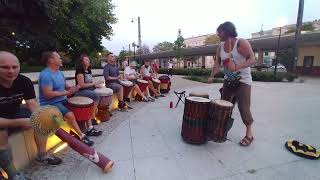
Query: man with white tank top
x=236 y=56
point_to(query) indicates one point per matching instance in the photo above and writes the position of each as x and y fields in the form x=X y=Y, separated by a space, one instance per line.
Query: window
x=266 y=53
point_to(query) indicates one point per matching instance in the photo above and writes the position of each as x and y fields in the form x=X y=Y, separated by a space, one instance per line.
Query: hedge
x=195 y=74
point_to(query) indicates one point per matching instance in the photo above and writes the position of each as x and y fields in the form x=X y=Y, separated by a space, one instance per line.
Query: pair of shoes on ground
x=85 y=139
x=48 y=159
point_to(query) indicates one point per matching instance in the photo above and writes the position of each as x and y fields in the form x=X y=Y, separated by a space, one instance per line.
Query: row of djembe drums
x=205 y=119
x=82 y=107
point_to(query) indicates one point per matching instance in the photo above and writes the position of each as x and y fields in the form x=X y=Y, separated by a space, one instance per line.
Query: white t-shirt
x=128 y=71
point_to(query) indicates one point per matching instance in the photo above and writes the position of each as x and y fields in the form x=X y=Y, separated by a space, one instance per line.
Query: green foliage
x=256 y=75
x=191 y=72
x=164 y=46
x=270 y=77
x=307 y=27
x=70 y=26
x=212 y=39
x=203 y=79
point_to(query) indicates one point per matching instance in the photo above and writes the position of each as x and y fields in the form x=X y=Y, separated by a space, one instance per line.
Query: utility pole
x=298 y=32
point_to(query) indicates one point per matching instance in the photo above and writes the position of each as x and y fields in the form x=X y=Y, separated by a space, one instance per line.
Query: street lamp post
x=139 y=34
x=276 y=65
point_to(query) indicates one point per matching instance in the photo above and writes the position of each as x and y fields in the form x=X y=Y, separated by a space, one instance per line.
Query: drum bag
x=302 y=150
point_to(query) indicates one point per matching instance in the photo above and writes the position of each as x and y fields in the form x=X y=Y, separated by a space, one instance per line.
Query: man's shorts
x=21 y=113
x=61 y=106
x=114 y=86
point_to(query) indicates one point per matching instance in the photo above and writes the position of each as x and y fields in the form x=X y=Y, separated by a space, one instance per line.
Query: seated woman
x=131 y=75
x=84 y=80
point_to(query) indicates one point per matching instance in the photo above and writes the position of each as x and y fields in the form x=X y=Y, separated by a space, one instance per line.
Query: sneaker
x=127 y=106
x=145 y=99
x=151 y=99
x=162 y=95
x=20 y=176
x=49 y=159
x=94 y=122
x=93 y=132
x=87 y=141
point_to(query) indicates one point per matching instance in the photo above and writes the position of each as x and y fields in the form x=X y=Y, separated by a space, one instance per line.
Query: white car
x=280 y=67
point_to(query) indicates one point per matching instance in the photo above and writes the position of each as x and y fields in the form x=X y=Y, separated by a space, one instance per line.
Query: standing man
x=112 y=76
x=14 y=88
x=170 y=66
x=237 y=56
x=53 y=90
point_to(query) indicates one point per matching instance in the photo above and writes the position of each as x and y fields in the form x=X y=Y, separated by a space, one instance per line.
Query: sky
x=161 y=19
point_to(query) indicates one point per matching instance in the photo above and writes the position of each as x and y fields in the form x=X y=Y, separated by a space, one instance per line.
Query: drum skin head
x=156 y=80
x=126 y=83
x=221 y=102
x=104 y=91
x=142 y=81
x=79 y=100
x=198 y=99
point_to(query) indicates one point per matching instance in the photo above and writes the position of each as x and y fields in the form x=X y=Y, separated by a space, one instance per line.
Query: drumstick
x=47 y=120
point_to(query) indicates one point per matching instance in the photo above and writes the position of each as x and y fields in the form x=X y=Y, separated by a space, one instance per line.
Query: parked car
x=280 y=67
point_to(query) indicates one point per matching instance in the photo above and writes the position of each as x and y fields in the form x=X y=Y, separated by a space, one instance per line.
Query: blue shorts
x=88 y=93
x=21 y=113
x=61 y=106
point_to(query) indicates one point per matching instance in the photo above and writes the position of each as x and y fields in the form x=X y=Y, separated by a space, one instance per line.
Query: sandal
x=246 y=141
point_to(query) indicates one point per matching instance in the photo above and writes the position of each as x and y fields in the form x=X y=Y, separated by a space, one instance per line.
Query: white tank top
x=245 y=73
x=147 y=71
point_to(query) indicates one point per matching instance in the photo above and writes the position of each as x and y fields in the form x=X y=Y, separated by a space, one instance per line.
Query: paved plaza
x=145 y=143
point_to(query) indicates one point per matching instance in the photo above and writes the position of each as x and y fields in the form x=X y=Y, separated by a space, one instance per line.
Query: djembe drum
x=143 y=84
x=82 y=107
x=48 y=119
x=195 y=119
x=127 y=86
x=156 y=83
x=204 y=95
x=220 y=121
x=104 y=103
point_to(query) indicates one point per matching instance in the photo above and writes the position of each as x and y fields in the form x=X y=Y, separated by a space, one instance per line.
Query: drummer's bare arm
x=32 y=104
x=245 y=49
x=142 y=71
x=82 y=84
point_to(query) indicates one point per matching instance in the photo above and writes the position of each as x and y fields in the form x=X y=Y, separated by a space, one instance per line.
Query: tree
x=164 y=46
x=212 y=39
x=305 y=27
x=70 y=26
x=178 y=45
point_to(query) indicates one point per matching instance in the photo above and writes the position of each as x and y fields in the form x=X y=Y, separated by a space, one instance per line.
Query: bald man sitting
x=15 y=87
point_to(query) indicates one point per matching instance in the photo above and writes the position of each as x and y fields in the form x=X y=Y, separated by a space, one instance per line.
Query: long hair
x=79 y=65
x=228 y=28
